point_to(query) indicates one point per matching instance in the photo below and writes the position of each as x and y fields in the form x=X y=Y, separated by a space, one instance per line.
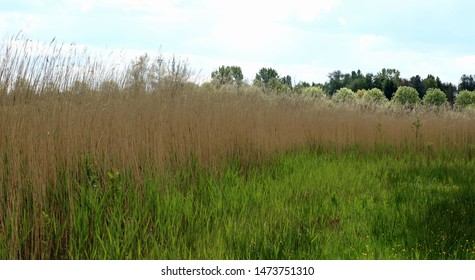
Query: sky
x=304 y=39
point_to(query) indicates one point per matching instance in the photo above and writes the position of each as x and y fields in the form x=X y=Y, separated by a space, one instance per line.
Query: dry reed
x=46 y=135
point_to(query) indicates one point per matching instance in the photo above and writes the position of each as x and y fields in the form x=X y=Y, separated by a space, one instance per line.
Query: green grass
x=312 y=204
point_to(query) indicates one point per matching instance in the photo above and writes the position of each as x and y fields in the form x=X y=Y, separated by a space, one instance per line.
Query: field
x=236 y=175
x=192 y=172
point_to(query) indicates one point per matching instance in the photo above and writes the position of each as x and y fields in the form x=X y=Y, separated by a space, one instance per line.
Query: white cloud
x=302 y=10
x=369 y=42
x=342 y=21
x=465 y=63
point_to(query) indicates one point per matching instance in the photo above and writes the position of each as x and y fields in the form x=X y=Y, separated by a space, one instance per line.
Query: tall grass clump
x=100 y=161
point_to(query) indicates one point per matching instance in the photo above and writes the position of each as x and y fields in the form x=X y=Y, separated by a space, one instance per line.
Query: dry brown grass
x=154 y=131
x=47 y=136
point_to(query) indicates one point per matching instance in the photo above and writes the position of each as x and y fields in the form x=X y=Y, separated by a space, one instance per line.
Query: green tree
x=344 y=95
x=389 y=87
x=435 y=97
x=231 y=75
x=375 y=96
x=388 y=80
x=406 y=96
x=265 y=76
x=301 y=86
x=369 y=81
x=467 y=82
x=335 y=83
x=464 y=99
x=431 y=82
x=268 y=79
x=416 y=82
x=450 y=91
x=386 y=74
x=314 y=91
x=357 y=81
x=287 y=80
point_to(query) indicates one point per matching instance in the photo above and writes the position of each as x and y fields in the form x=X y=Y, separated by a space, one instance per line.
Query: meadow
x=189 y=172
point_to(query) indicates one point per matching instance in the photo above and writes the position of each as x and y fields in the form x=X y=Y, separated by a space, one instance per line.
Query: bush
x=406 y=96
x=375 y=95
x=344 y=95
x=360 y=93
x=465 y=98
x=435 y=97
x=316 y=92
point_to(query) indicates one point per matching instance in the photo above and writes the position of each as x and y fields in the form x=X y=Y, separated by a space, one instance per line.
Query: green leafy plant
x=435 y=97
x=375 y=95
x=407 y=96
x=344 y=95
x=465 y=98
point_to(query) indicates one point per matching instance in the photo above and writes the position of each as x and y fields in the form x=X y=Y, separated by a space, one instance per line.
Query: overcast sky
x=303 y=39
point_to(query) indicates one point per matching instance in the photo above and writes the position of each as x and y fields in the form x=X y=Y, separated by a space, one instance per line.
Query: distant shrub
x=406 y=96
x=375 y=95
x=314 y=92
x=435 y=97
x=464 y=99
x=360 y=93
x=344 y=95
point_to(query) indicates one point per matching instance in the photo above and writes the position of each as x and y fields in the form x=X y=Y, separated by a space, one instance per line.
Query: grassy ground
x=312 y=204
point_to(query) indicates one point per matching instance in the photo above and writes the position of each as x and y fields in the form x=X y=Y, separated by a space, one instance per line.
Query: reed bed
x=55 y=141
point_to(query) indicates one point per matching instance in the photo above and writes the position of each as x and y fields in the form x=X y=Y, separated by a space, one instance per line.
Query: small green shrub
x=464 y=99
x=316 y=92
x=375 y=96
x=435 y=97
x=344 y=95
x=406 y=96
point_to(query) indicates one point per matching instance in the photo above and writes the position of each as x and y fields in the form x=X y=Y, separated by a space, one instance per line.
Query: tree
x=287 y=80
x=269 y=79
x=467 y=82
x=406 y=96
x=265 y=76
x=301 y=86
x=386 y=74
x=231 y=75
x=450 y=91
x=336 y=82
x=388 y=80
x=464 y=99
x=435 y=97
x=138 y=73
x=147 y=75
x=313 y=91
x=416 y=82
x=344 y=95
x=357 y=81
x=375 y=96
x=389 y=87
x=431 y=82
x=369 y=84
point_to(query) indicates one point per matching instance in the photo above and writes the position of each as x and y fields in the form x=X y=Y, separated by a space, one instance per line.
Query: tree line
x=386 y=80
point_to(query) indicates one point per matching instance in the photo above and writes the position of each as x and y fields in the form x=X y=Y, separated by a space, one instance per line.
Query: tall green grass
x=312 y=204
